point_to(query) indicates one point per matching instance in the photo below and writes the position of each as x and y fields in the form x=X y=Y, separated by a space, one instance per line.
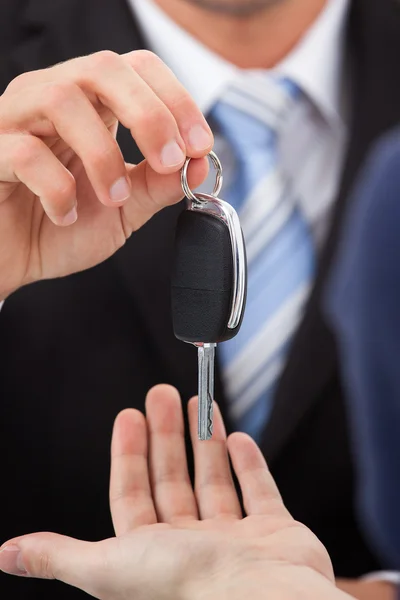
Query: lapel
x=56 y=30
x=373 y=47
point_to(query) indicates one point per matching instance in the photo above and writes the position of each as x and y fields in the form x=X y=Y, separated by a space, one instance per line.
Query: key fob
x=209 y=283
x=209 y=278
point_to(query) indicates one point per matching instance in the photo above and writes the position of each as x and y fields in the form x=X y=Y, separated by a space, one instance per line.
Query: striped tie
x=280 y=251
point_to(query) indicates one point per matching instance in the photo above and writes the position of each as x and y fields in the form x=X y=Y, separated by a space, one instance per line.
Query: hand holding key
x=209 y=283
x=60 y=162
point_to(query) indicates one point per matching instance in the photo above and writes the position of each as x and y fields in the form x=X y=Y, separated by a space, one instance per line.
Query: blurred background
x=303 y=97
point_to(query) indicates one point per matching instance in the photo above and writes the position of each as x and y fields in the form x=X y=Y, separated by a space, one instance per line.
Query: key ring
x=218 y=183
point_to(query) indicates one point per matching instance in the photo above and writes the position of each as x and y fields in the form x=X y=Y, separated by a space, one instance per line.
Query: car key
x=209 y=282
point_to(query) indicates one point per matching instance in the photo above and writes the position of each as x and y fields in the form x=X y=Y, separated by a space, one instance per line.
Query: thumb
x=51 y=556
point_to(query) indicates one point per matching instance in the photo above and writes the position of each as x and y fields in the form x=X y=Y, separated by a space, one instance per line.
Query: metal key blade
x=206 y=355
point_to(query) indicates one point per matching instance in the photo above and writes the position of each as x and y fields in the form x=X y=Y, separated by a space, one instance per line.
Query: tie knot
x=254 y=108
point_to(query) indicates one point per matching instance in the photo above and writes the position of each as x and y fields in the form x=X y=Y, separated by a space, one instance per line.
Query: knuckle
x=154 y=117
x=44 y=566
x=19 y=82
x=121 y=494
x=168 y=474
x=24 y=80
x=104 y=59
x=214 y=480
x=181 y=102
x=65 y=190
x=56 y=94
x=26 y=151
x=102 y=159
x=142 y=59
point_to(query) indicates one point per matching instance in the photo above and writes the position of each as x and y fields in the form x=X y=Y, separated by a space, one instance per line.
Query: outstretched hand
x=173 y=542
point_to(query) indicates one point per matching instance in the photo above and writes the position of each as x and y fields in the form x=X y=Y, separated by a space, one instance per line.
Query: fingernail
x=68 y=219
x=199 y=138
x=172 y=154
x=120 y=190
x=11 y=561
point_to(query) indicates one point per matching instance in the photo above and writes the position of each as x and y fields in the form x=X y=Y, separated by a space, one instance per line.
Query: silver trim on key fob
x=224 y=211
x=211 y=204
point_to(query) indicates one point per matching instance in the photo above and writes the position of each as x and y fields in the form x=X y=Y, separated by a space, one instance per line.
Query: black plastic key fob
x=204 y=279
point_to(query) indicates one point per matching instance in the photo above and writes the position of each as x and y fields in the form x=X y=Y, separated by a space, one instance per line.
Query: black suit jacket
x=73 y=352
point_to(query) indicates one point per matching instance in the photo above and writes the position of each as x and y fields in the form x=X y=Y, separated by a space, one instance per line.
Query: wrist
x=368 y=590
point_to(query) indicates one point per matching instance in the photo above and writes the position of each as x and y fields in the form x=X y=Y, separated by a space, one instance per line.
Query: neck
x=256 y=41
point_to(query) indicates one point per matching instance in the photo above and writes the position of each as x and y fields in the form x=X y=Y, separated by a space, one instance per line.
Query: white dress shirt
x=318 y=123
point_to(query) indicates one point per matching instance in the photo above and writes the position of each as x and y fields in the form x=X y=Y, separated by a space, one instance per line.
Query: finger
x=172 y=490
x=192 y=125
x=131 y=499
x=46 y=556
x=136 y=106
x=215 y=490
x=66 y=111
x=84 y=565
x=151 y=191
x=26 y=159
x=260 y=493
x=145 y=96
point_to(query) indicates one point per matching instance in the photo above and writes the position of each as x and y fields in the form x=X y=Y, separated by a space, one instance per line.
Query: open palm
x=176 y=542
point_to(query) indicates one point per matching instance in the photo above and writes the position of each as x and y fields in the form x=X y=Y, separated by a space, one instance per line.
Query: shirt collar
x=315 y=64
x=203 y=73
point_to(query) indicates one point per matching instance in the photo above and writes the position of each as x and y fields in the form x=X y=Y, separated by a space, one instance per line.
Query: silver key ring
x=218 y=183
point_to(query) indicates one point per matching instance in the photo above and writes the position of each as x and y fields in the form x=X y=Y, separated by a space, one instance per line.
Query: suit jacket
x=363 y=301
x=75 y=351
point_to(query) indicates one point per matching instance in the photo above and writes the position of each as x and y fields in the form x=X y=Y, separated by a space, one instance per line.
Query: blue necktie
x=280 y=248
